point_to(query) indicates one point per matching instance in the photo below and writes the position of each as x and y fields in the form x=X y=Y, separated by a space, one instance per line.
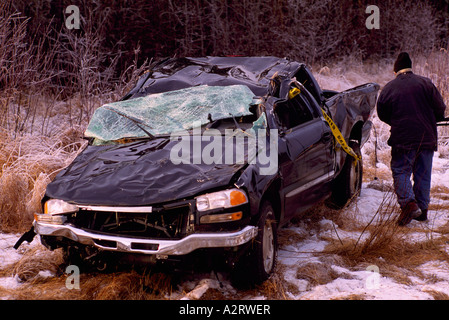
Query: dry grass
x=28 y=164
x=434 y=66
x=42 y=276
x=437 y=295
x=319 y=273
x=383 y=238
x=275 y=288
x=34 y=261
x=383 y=228
x=126 y=286
x=131 y=285
x=117 y=286
x=352 y=297
x=381 y=241
x=441 y=193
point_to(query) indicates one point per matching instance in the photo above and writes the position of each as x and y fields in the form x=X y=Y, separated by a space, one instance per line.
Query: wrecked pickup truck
x=207 y=155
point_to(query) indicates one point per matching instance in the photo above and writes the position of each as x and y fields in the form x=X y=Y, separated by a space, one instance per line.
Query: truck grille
x=165 y=222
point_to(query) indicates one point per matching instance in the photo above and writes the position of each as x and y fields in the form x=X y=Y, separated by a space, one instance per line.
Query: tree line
x=112 y=32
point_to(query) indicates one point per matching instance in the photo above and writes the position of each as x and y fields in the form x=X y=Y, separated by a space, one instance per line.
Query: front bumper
x=149 y=246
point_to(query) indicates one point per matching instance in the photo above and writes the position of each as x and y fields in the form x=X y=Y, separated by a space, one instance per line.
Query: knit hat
x=402 y=62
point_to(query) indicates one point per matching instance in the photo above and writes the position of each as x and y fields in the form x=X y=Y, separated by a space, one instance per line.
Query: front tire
x=260 y=261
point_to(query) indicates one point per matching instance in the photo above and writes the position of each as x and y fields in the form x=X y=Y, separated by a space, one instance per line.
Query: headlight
x=222 y=199
x=50 y=218
x=54 y=211
x=55 y=206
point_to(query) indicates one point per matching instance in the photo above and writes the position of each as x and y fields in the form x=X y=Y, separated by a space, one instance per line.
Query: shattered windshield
x=169 y=112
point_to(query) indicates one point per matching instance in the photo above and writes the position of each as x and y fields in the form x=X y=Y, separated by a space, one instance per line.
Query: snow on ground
x=8 y=254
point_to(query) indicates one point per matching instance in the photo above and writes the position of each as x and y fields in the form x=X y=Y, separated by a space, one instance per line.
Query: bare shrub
x=83 y=57
x=23 y=60
x=130 y=75
x=378 y=238
x=434 y=66
x=27 y=68
x=314 y=31
x=383 y=228
x=407 y=26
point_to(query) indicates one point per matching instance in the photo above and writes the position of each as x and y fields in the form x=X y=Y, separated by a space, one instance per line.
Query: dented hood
x=133 y=174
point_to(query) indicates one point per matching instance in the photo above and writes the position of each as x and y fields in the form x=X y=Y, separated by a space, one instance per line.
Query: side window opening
x=294 y=112
x=303 y=76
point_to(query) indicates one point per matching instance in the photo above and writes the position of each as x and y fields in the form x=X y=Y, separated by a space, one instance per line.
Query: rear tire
x=349 y=182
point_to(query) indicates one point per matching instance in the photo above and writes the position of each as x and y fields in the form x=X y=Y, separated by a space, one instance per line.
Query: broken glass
x=168 y=112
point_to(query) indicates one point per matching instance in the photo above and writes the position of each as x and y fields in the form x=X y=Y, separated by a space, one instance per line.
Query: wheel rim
x=268 y=246
x=354 y=178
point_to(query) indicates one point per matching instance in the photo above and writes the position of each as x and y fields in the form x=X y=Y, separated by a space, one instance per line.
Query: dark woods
x=115 y=34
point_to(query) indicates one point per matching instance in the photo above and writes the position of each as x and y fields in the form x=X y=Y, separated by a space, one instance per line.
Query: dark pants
x=404 y=163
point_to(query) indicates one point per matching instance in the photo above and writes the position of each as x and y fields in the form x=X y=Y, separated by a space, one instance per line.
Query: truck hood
x=136 y=173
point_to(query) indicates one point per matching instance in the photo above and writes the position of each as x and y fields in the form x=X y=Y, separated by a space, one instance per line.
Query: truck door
x=306 y=160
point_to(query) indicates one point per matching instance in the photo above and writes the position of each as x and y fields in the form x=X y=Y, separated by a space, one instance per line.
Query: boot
x=423 y=216
x=409 y=212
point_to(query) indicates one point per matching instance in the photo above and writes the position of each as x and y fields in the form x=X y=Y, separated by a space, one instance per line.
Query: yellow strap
x=339 y=137
x=293 y=93
x=335 y=131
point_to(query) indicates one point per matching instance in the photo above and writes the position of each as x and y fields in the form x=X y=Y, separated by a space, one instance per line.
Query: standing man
x=411 y=105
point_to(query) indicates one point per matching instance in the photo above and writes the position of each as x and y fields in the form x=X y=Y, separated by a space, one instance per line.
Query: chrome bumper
x=148 y=246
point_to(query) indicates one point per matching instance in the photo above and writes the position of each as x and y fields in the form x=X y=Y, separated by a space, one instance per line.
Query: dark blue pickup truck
x=207 y=157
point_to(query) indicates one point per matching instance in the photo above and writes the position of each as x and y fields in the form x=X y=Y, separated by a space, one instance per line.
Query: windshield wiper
x=148 y=133
x=212 y=123
x=136 y=122
x=235 y=121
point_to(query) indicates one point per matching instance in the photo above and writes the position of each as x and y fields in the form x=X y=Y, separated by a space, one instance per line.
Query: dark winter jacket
x=411 y=105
